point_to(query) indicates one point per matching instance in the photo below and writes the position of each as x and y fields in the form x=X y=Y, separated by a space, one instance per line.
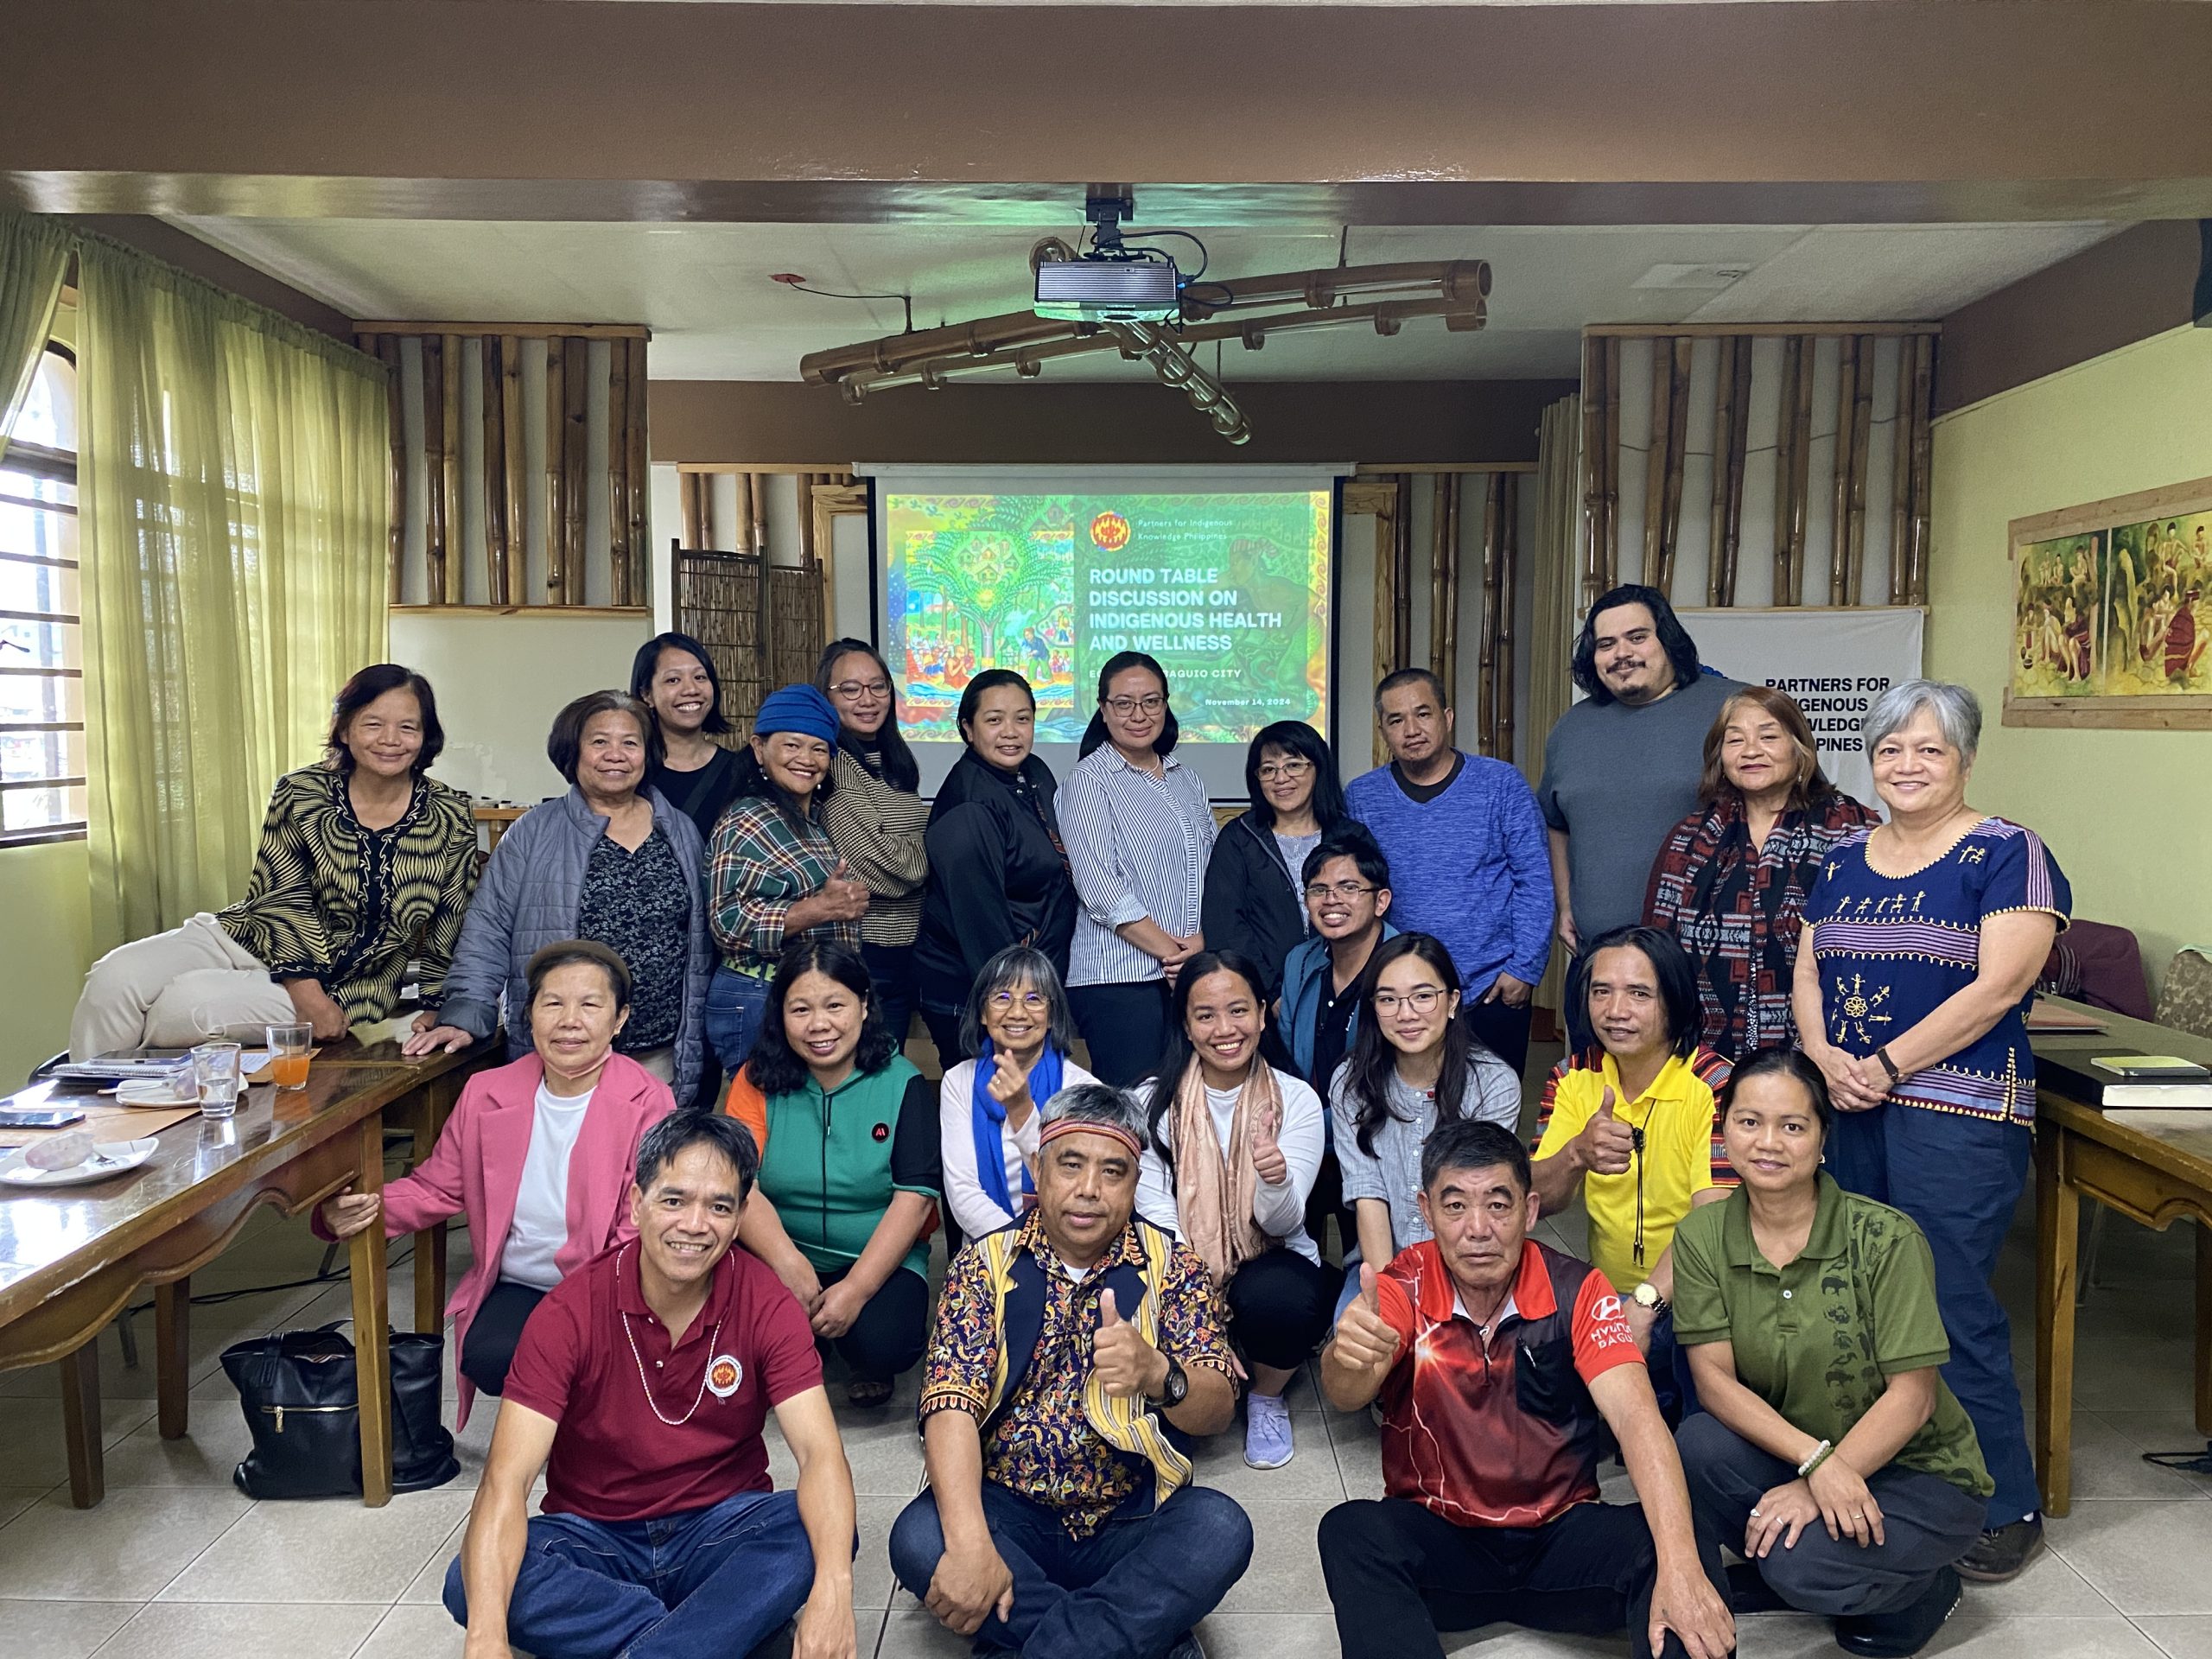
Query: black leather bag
x=302 y=1406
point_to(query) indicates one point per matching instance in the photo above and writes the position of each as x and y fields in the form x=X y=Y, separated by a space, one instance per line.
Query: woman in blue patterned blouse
x=1923 y=940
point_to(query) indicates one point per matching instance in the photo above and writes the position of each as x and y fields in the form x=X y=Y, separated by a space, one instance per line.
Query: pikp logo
x=1110 y=532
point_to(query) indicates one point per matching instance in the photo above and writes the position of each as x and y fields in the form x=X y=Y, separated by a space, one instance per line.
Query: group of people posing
x=1794 y=1110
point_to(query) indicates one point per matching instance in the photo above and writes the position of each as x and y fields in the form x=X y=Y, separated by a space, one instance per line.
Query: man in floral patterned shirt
x=1077 y=1351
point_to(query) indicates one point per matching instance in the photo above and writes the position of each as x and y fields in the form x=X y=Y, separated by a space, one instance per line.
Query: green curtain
x=234 y=511
x=33 y=255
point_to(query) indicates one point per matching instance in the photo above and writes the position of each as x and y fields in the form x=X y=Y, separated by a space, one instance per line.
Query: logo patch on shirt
x=1606 y=1309
x=723 y=1375
x=881 y=1132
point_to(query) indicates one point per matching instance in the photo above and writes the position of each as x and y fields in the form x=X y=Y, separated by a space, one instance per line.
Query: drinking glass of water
x=215 y=1070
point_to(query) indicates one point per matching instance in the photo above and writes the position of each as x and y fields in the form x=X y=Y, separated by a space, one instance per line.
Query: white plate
x=152 y=1092
x=112 y=1157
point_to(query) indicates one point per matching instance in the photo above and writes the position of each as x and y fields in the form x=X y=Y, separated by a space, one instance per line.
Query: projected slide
x=1230 y=592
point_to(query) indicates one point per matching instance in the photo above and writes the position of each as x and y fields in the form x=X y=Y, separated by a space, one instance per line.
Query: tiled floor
x=175 y=1564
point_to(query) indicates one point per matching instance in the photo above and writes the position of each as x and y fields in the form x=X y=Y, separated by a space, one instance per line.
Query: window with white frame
x=42 y=669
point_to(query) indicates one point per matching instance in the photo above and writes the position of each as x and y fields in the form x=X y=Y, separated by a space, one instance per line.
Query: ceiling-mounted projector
x=1107 y=283
x=1109 y=290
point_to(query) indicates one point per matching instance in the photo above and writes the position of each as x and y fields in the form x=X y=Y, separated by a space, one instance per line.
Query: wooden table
x=71 y=1258
x=2153 y=1176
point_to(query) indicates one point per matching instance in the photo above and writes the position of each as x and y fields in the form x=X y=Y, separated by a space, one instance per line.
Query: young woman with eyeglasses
x=1018 y=1025
x=876 y=818
x=1254 y=899
x=1139 y=832
x=1413 y=1064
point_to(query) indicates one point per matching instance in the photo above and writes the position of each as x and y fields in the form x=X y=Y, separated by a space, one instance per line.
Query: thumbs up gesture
x=1365 y=1339
x=1266 y=1156
x=1126 y=1364
x=847 y=899
x=1606 y=1142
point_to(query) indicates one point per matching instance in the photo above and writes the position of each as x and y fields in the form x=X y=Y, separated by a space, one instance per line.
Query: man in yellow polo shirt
x=1629 y=1124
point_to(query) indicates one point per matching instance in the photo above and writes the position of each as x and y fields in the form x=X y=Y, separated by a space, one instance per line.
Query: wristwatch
x=1646 y=1295
x=1173 y=1391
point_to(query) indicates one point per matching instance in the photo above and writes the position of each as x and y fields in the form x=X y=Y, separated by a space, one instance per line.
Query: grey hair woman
x=1019 y=1024
x=1919 y=955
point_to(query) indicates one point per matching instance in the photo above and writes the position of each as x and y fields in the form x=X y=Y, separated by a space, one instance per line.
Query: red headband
x=1060 y=1126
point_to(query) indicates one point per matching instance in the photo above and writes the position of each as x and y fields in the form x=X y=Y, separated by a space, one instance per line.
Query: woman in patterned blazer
x=365 y=865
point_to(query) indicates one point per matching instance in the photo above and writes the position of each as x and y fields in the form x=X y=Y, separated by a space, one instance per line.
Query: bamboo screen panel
x=718 y=603
x=518 y=464
x=1782 y=465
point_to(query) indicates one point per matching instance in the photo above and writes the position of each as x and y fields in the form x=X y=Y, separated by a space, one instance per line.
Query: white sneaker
x=1266 y=1431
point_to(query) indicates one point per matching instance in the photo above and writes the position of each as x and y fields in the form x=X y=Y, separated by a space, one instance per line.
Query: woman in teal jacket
x=849 y=1177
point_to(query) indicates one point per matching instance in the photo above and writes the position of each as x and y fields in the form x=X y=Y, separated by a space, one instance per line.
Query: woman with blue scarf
x=1019 y=1024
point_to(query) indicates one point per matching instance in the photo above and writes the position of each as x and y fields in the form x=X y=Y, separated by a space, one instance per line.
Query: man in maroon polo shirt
x=1499 y=1361
x=641 y=1386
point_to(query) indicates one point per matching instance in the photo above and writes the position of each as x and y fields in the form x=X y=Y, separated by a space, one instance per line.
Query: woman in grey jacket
x=610 y=860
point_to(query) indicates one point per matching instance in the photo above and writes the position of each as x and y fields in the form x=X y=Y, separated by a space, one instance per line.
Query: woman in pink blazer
x=538 y=1156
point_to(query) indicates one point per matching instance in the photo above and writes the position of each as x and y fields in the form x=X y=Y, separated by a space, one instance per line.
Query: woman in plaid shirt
x=773 y=876
x=1731 y=879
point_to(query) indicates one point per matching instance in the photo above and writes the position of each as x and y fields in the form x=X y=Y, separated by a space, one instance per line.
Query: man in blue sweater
x=1469 y=860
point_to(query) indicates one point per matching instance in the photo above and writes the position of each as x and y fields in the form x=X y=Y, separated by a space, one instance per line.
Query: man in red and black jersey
x=1497 y=1363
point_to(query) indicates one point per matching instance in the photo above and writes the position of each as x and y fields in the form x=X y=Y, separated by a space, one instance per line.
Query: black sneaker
x=2002 y=1553
x=1904 y=1632
x=1186 y=1647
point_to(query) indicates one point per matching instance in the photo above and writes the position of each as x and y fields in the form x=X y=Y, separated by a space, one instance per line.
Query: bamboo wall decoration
x=1500 y=637
x=1785 y=380
x=1847 y=406
x=1923 y=366
x=575 y=453
x=1609 y=566
x=630 y=433
x=509 y=482
x=760 y=512
x=395 y=404
x=495 y=462
x=1444 y=584
x=1493 y=623
x=432 y=485
x=617 y=482
x=434 y=468
x=743 y=532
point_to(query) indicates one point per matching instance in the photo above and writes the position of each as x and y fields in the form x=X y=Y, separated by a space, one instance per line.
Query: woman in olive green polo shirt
x=1831 y=1455
x=849 y=1166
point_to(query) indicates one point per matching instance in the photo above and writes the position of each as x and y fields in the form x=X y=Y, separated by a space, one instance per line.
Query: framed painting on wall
x=2111 y=613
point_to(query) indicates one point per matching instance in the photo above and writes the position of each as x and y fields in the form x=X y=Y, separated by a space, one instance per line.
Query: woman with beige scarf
x=1235 y=1145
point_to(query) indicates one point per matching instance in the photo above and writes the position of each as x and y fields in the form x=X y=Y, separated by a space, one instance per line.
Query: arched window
x=41 y=671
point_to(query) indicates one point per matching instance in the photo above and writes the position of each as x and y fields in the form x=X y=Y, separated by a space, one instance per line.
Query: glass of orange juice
x=288 y=1055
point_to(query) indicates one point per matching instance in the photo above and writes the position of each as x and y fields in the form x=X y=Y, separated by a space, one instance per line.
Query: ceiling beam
x=1784 y=113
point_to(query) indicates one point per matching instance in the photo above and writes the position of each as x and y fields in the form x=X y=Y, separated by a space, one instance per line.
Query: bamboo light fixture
x=445 y=480
x=1245 y=311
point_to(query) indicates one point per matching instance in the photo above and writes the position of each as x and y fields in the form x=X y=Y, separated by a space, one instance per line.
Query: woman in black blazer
x=1254 y=898
x=998 y=876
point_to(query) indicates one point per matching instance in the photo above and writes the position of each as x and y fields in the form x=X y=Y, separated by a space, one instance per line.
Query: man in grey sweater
x=1620 y=767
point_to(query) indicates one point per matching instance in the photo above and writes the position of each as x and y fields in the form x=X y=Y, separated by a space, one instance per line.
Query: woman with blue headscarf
x=1019 y=1024
x=773 y=877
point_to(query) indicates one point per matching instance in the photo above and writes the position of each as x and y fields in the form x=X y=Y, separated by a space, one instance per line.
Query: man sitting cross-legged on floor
x=1497 y=1362
x=1074 y=1352
x=660 y=1536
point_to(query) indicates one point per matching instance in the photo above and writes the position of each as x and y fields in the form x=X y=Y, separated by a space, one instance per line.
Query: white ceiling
x=705 y=288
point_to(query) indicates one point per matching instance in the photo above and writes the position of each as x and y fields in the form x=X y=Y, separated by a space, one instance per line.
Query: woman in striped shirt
x=875 y=820
x=1139 y=833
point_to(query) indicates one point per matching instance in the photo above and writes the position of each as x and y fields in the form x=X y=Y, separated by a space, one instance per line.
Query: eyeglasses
x=1283 y=772
x=856 y=690
x=1421 y=1001
x=1320 y=890
x=1127 y=706
x=1003 y=1001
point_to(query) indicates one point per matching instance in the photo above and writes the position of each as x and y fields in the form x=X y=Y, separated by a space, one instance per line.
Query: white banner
x=1836 y=663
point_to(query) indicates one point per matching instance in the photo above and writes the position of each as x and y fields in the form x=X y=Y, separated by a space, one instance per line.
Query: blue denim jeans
x=717 y=1580
x=735 y=1003
x=1959 y=1178
x=1129 y=1590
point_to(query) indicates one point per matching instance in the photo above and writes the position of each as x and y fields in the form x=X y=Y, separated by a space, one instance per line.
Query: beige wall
x=2128 y=814
x=46 y=895
x=499 y=681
